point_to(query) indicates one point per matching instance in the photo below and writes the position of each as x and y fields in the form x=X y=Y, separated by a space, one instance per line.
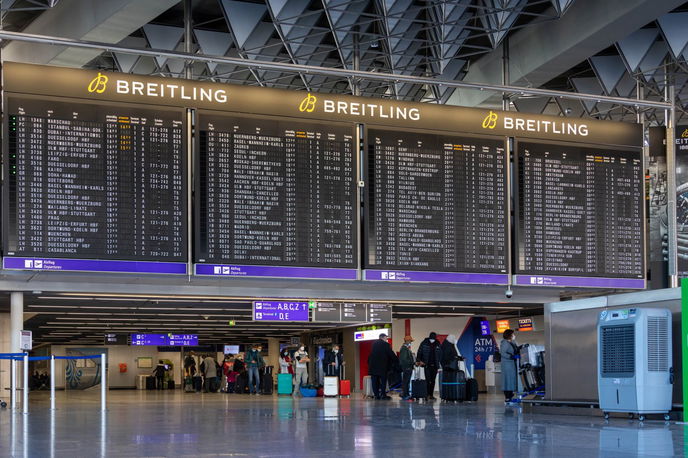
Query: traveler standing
x=430 y=356
x=301 y=361
x=190 y=365
x=333 y=362
x=209 y=374
x=510 y=356
x=285 y=363
x=254 y=362
x=407 y=363
x=450 y=355
x=380 y=361
x=159 y=374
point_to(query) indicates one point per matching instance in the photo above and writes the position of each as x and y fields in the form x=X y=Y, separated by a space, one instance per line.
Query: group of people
x=296 y=364
x=432 y=357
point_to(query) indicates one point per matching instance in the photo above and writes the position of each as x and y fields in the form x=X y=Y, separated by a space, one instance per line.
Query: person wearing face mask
x=333 y=361
x=510 y=356
x=285 y=363
x=407 y=363
x=301 y=361
x=430 y=357
x=254 y=361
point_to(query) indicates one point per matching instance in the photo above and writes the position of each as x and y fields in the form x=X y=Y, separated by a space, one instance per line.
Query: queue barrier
x=14 y=357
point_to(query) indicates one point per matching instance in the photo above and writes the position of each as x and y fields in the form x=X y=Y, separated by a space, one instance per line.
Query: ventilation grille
x=657 y=344
x=618 y=351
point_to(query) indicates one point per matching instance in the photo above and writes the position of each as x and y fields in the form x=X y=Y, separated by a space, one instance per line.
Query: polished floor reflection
x=140 y=423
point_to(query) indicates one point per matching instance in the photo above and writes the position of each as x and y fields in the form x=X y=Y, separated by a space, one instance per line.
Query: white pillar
x=103 y=382
x=16 y=319
x=273 y=355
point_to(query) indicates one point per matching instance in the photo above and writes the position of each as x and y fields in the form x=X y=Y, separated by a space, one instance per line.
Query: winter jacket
x=254 y=359
x=406 y=359
x=332 y=357
x=382 y=359
x=424 y=352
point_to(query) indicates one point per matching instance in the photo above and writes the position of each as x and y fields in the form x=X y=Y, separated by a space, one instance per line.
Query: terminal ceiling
x=608 y=48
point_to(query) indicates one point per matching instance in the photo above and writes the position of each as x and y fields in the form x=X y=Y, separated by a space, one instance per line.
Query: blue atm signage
x=280 y=311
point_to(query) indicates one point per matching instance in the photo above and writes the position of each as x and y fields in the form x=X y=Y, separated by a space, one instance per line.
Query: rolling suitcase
x=330 y=384
x=285 y=384
x=471 y=390
x=150 y=382
x=170 y=385
x=419 y=386
x=198 y=383
x=241 y=386
x=267 y=384
x=368 y=387
x=453 y=386
x=344 y=385
x=188 y=384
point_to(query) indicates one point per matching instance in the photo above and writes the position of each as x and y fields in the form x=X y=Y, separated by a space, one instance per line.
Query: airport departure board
x=436 y=202
x=89 y=181
x=276 y=192
x=580 y=211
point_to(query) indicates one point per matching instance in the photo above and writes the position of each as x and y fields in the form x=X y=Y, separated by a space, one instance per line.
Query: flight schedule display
x=276 y=198
x=94 y=187
x=580 y=216
x=436 y=208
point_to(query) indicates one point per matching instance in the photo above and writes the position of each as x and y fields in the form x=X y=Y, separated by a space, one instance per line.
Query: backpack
x=497 y=357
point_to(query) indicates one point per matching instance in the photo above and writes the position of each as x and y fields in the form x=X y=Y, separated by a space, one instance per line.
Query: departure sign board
x=580 y=216
x=436 y=207
x=276 y=198
x=94 y=187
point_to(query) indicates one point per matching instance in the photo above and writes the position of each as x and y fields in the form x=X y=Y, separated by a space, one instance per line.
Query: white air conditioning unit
x=634 y=364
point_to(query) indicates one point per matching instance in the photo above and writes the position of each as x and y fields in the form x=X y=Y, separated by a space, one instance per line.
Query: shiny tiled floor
x=140 y=423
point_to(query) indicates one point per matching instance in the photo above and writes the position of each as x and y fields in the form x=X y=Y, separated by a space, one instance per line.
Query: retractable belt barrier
x=14 y=357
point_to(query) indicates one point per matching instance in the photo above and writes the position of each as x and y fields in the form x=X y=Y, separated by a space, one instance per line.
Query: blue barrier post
x=52 y=382
x=25 y=402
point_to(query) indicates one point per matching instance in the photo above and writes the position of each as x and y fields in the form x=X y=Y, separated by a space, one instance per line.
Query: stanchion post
x=103 y=382
x=25 y=401
x=13 y=384
x=52 y=382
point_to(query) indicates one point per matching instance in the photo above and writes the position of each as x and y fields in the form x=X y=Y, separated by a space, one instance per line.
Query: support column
x=16 y=320
x=273 y=355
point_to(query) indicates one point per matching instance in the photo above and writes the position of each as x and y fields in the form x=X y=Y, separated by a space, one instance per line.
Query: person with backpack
x=159 y=374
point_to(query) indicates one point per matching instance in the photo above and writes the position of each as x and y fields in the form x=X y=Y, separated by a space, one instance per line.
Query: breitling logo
x=98 y=84
x=308 y=103
x=490 y=121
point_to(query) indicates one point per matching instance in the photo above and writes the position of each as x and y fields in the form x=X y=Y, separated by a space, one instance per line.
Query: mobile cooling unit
x=634 y=368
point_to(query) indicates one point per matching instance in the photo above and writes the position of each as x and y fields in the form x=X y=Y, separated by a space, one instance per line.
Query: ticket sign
x=280 y=311
x=502 y=325
x=525 y=324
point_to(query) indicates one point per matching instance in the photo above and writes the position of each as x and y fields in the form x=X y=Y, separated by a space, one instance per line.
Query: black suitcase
x=419 y=389
x=150 y=382
x=471 y=390
x=198 y=383
x=241 y=385
x=266 y=384
x=266 y=370
x=453 y=386
x=170 y=385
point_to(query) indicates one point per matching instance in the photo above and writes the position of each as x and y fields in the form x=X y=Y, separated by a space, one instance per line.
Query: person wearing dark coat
x=333 y=361
x=380 y=361
x=430 y=357
x=450 y=356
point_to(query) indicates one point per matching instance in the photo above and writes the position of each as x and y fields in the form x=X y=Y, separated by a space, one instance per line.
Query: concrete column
x=5 y=347
x=273 y=355
x=16 y=319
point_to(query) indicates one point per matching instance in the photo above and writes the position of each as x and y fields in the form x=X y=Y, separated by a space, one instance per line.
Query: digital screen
x=280 y=311
x=580 y=213
x=485 y=328
x=502 y=325
x=231 y=349
x=173 y=340
x=87 y=181
x=525 y=324
x=435 y=203
x=275 y=193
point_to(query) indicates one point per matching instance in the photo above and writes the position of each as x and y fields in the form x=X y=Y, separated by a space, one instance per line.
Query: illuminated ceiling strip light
x=230 y=298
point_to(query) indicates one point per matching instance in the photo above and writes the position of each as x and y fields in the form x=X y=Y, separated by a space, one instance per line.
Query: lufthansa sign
x=175 y=92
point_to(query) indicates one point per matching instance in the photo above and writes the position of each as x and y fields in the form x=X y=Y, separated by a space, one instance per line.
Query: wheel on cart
x=606 y=415
x=667 y=417
x=641 y=417
x=3 y=404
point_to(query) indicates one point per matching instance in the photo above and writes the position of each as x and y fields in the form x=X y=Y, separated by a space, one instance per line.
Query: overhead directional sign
x=328 y=312
x=354 y=312
x=280 y=311
x=379 y=313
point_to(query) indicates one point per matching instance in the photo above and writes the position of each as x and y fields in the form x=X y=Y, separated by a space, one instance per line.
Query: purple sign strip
x=436 y=277
x=280 y=311
x=94 y=265
x=580 y=282
x=233 y=270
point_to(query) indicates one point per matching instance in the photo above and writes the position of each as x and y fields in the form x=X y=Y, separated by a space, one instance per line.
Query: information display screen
x=94 y=182
x=580 y=215
x=276 y=198
x=436 y=203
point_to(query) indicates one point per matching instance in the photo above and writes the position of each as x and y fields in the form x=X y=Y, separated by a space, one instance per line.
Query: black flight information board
x=436 y=203
x=580 y=215
x=275 y=194
x=95 y=182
